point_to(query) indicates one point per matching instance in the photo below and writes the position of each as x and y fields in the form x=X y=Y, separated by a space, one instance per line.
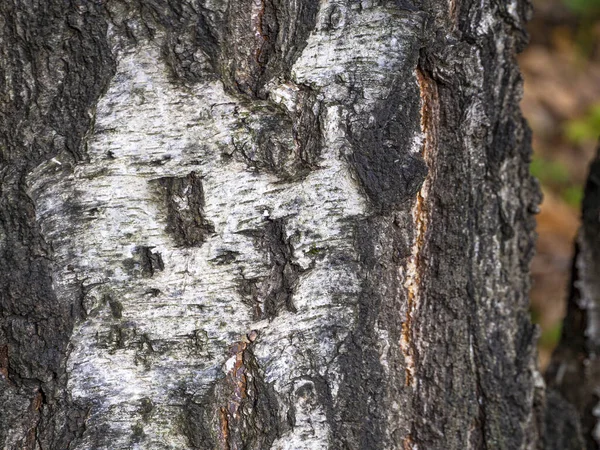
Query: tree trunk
x=574 y=374
x=265 y=224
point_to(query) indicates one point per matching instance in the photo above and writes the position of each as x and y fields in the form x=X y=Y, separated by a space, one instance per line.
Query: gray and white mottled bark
x=265 y=224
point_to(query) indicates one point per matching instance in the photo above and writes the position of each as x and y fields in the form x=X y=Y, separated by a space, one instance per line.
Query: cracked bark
x=265 y=224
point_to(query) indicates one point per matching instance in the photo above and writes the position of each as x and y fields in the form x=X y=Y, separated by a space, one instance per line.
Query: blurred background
x=561 y=68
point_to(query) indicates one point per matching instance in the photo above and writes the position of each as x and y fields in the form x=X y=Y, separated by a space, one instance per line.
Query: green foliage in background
x=584 y=7
x=550 y=337
x=556 y=176
x=549 y=172
x=588 y=14
x=573 y=196
x=585 y=128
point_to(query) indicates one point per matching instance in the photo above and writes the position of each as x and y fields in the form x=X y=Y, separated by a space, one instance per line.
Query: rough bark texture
x=260 y=224
x=574 y=374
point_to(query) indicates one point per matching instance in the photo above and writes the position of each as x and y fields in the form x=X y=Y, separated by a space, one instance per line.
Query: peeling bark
x=265 y=224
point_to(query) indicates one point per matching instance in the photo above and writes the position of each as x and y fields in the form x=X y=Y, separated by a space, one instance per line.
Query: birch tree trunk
x=265 y=224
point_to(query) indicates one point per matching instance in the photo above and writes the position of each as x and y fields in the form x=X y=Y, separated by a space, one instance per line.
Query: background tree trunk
x=265 y=224
x=574 y=374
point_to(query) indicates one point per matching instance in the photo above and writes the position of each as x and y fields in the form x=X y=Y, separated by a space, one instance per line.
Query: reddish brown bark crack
x=414 y=270
x=453 y=12
x=261 y=37
x=236 y=381
x=4 y=362
x=240 y=410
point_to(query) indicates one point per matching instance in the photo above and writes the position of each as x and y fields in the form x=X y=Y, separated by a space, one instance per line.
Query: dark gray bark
x=322 y=241
x=574 y=374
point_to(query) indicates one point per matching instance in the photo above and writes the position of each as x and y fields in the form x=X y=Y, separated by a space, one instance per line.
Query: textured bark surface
x=265 y=224
x=575 y=369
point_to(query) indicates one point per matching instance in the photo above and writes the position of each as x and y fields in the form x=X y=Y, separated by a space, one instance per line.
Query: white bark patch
x=487 y=19
x=176 y=325
x=366 y=50
x=160 y=316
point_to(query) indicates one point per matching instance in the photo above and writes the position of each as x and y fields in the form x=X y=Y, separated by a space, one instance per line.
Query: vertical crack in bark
x=253 y=29
x=429 y=120
x=453 y=12
x=240 y=411
x=4 y=363
x=262 y=41
x=262 y=37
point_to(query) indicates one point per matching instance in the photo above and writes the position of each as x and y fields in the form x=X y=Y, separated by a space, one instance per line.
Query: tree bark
x=574 y=373
x=265 y=224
